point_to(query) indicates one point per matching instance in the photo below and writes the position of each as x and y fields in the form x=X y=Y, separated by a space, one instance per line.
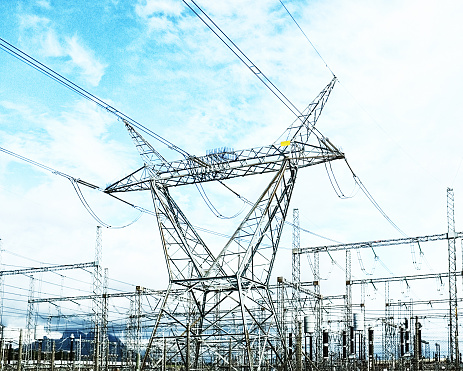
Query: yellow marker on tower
x=285 y=143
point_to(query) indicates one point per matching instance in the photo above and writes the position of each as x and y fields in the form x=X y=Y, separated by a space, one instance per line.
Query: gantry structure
x=391 y=331
x=229 y=309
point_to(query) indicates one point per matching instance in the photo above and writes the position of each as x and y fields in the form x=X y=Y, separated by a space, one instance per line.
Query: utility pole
x=20 y=351
x=417 y=345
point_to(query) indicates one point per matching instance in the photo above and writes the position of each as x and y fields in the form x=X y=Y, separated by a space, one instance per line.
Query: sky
x=395 y=112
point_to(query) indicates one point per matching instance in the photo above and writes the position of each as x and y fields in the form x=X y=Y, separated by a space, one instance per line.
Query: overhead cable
x=196 y=9
x=373 y=201
x=75 y=183
x=335 y=185
x=211 y=206
x=27 y=59
x=307 y=38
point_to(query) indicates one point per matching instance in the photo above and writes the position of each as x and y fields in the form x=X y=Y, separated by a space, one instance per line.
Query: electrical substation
x=223 y=308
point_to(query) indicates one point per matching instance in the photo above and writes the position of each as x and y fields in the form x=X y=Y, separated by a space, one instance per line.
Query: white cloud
x=83 y=58
x=44 y=4
x=28 y=21
x=22 y=108
x=149 y=8
x=51 y=45
x=159 y=15
x=39 y=34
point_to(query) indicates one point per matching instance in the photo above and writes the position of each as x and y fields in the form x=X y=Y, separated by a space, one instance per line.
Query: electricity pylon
x=227 y=296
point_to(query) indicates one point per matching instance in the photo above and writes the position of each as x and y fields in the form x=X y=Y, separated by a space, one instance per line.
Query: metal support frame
x=233 y=285
x=296 y=273
x=388 y=325
x=244 y=294
x=348 y=297
x=30 y=319
x=104 y=323
x=318 y=307
x=97 y=305
x=452 y=254
x=376 y=243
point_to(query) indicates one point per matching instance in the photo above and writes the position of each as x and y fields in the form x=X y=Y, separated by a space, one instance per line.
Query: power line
x=27 y=59
x=307 y=38
x=334 y=183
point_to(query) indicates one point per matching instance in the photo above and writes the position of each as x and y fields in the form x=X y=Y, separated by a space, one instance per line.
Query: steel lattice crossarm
x=377 y=243
x=50 y=268
x=301 y=289
x=405 y=278
x=229 y=163
x=420 y=302
x=145 y=291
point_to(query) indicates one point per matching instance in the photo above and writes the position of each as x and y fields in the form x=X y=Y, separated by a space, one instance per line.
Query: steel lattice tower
x=97 y=304
x=29 y=318
x=230 y=286
x=318 y=307
x=452 y=257
x=348 y=297
x=296 y=265
x=130 y=332
x=104 y=323
x=389 y=348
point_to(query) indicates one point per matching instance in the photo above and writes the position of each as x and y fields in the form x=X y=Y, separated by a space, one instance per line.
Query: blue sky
x=396 y=113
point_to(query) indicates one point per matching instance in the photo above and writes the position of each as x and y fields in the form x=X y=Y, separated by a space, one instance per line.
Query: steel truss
x=228 y=312
x=389 y=327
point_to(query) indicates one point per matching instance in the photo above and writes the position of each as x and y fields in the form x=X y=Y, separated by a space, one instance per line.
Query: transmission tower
x=97 y=304
x=452 y=257
x=240 y=272
x=296 y=265
x=29 y=319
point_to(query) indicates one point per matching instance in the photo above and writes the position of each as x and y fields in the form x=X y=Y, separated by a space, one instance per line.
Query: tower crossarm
x=377 y=243
x=300 y=142
x=145 y=292
x=405 y=278
x=225 y=165
x=50 y=268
